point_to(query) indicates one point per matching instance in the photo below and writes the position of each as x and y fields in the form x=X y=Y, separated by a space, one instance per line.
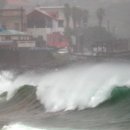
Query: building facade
x=13 y=19
x=40 y=23
x=46 y=20
x=12 y=39
x=58 y=13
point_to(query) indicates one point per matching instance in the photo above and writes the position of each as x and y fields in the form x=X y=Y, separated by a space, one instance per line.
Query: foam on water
x=19 y=126
x=72 y=88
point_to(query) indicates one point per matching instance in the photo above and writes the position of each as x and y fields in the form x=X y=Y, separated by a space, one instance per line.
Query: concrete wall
x=25 y=58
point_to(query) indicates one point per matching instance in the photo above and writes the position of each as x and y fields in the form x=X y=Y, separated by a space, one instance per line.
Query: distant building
x=58 y=12
x=13 y=19
x=12 y=39
x=41 y=23
x=46 y=20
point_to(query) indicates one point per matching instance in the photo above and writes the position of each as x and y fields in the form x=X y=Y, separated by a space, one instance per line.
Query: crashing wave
x=81 y=87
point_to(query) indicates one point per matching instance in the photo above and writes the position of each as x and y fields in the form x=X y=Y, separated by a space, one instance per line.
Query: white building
x=42 y=23
x=45 y=20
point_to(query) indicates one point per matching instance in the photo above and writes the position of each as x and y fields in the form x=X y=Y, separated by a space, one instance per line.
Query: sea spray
x=9 y=82
x=86 y=86
x=72 y=88
x=20 y=126
x=6 y=78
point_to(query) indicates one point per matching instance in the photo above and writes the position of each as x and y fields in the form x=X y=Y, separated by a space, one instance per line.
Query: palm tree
x=100 y=16
x=76 y=16
x=79 y=16
x=67 y=14
x=85 y=17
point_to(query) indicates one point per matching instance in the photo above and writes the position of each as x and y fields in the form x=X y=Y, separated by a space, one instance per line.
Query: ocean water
x=83 y=97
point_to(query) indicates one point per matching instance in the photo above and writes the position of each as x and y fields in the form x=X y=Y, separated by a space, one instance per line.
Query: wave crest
x=118 y=94
x=81 y=87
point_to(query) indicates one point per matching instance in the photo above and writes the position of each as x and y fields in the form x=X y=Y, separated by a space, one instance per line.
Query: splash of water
x=76 y=87
x=19 y=126
x=83 y=87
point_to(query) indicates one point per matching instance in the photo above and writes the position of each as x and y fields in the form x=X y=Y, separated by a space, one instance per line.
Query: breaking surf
x=83 y=97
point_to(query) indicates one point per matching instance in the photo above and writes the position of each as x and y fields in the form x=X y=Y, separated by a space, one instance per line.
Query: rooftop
x=45 y=13
x=11 y=32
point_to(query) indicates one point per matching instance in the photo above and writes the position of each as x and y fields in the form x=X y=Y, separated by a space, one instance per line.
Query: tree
x=100 y=16
x=85 y=17
x=79 y=16
x=2 y=3
x=68 y=34
x=76 y=16
x=67 y=14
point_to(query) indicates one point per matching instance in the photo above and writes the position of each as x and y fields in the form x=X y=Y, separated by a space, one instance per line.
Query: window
x=61 y=23
x=49 y=23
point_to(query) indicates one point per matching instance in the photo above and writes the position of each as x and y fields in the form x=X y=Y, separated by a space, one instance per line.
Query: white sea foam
x=19 y=126
x=72 y=88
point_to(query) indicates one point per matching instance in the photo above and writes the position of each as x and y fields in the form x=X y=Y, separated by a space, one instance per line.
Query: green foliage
x=76 y=16
x=68 y=33
x=85 y=17
x=79 y=16
x=67 y=13
x=98 y=34
x=100 y=15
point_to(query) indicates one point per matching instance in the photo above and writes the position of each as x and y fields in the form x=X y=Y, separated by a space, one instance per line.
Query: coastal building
x=48 y=22
x=58 y=12
x=41 y=23
x=13 y=19
x=12 y=39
